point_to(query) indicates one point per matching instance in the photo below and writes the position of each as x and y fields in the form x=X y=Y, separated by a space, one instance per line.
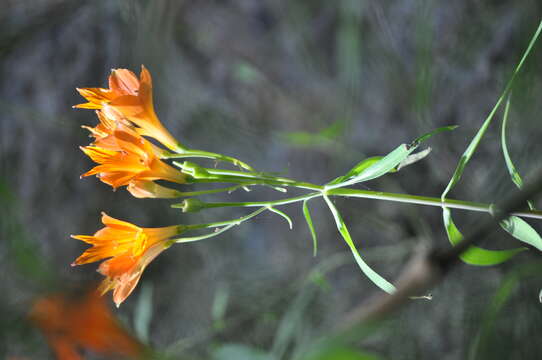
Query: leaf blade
x=308 y=219
x=514 y=173
x=366 y=269
x=522 y=231
x=475 y=255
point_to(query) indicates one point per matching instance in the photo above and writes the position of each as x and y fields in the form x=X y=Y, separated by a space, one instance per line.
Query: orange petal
x=124 y=82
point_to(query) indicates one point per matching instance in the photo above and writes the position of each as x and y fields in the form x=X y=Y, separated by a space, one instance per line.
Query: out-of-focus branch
x=428 y=267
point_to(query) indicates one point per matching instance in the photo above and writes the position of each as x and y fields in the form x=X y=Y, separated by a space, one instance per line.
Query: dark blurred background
x=302 y=88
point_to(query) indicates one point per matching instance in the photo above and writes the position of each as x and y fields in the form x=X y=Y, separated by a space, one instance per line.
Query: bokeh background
x=302 y=88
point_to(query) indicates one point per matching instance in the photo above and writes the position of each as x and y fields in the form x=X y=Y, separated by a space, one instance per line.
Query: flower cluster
x=125 y=157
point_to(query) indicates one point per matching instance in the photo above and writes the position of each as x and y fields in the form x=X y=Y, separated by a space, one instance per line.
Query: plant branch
x=428 y=267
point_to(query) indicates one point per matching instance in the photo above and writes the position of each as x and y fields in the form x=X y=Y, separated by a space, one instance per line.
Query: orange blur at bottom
x=75 y=323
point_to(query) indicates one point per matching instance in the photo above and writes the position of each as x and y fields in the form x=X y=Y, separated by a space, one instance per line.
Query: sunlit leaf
x=370 y=273
x=522 y=231
x=481 y=256
x=514 y=173
x=475 y=255
x=375 y=167
x=308 y=218
x=360 y=167
x=476 y=140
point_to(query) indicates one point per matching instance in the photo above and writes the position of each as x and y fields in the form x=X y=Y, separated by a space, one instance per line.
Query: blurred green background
x=303 y=88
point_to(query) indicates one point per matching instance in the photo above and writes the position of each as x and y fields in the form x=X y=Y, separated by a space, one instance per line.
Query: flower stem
x=187 y=153
x=379 y=195
x=211 y=191
x=226 y=225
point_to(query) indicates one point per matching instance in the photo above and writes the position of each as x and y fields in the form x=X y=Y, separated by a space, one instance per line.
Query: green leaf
x=368 y=169
x=384 y=165
x=475 y=255
x=424 y=137
x=375 y=167
x=514 y=174
x=370 y=273
x=360 y=167
x=522 y=231
x=481 y=132
x=286 y=217
x=480 y=256
x=308 y=218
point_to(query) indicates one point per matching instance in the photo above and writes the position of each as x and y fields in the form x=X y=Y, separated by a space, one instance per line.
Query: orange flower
x=133 y=98
x=110 y=120
x=73 y=322
x=125 y=156
x=129 y=249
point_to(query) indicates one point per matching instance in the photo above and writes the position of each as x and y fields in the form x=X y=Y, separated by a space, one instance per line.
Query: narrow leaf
x=514 y=174
x=375 y=167
x=286 y=217
x=424 y=137
x=522 y=231
x=370 y=273
x=475 y=255
x=481 y=256
x=360 y=167
x=478 y=137
x=308 y=218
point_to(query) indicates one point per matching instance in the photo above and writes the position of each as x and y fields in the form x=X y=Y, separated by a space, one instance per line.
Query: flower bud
x=150 y=189
x=191 y=205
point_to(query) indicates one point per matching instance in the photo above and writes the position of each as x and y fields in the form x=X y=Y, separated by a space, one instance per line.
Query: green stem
x=228 y=224
x=187 y=153
x=379 y=195
x=246 y=181
x=212 y=191
x=270 y=180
